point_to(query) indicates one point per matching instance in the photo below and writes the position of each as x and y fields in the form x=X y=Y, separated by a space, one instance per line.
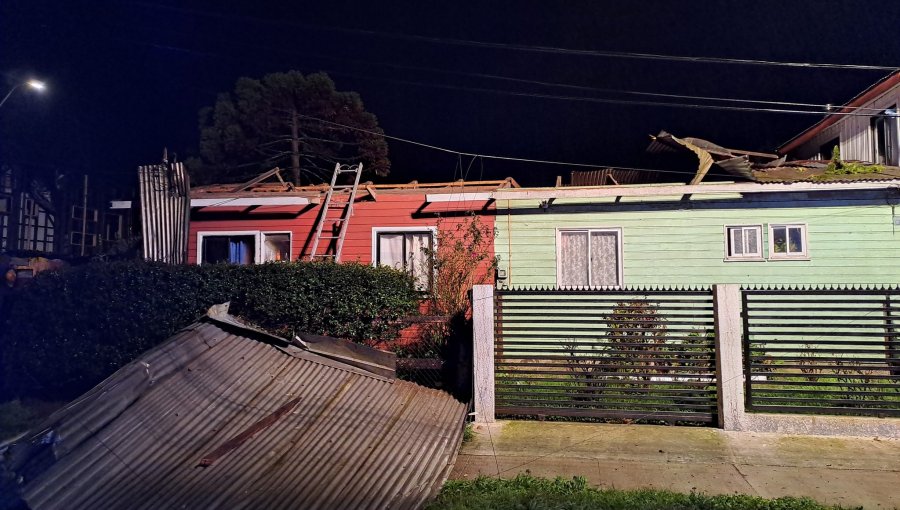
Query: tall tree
x=288 y=120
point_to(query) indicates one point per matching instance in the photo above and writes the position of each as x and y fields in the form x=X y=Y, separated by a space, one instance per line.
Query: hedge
x=67 y=330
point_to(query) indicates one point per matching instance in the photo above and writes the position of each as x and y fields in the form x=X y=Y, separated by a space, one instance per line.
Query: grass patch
x=468 y=433
x=528 y=492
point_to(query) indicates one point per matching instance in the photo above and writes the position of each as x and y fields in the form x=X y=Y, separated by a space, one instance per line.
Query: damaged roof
x=222 y=415
x=763 y=167
x=257 y=187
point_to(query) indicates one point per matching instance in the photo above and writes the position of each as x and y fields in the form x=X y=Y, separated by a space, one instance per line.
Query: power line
x=824 y=107
x=532 y=48
x=602 y=100
x=488 y=156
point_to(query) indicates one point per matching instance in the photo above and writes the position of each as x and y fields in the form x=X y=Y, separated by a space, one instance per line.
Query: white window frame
x=257 y=245
x=804 y=233
x=405 y=230
x=744 y=258
x=620 y=273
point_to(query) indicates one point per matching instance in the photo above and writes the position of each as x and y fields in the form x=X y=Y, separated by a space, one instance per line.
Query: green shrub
x=67 y=330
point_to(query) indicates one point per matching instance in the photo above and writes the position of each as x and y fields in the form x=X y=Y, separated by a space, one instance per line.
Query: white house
x=866 y=128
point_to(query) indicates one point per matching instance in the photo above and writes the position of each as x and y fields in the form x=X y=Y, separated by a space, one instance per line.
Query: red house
x=391 y=224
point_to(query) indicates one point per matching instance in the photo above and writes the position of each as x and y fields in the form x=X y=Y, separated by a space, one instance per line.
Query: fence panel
x=637 y=354
x=822 y=351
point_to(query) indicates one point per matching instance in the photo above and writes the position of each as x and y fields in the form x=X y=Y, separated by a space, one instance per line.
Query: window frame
x=760 y=257
x=620 y=273
x=257 y=244
x=887 y=121
x=377 y=231
x=804 y=232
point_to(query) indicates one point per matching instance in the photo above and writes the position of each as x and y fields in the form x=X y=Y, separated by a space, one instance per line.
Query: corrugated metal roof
x=278 y=426
x=761 y=167
x=611 y=176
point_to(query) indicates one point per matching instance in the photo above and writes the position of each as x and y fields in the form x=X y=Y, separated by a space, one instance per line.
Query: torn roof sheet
x=762 y=167
x=224 y=416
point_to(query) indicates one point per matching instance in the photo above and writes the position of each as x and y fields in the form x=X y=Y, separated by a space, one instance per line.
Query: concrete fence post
x=483 y=351
x=729 y=356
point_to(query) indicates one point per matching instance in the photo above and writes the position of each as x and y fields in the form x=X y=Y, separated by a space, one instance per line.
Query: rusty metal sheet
x=302 y=431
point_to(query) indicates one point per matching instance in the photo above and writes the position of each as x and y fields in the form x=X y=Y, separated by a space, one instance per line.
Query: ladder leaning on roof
x=337 y=223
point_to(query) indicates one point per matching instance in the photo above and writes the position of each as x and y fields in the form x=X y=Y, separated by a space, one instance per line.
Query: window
x=744 y=242
x=589 y=258
x=787 y=241
x=276 y=247
x=406 y=249
x=251 y=247
x=886 y=138
x=233 y=249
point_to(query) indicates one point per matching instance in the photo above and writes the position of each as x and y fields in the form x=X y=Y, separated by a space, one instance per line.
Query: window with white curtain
x=409 y=251
x=743 y=242
x=589 y=258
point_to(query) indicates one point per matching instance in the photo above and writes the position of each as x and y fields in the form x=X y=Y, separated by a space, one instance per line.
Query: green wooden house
x=747 y=233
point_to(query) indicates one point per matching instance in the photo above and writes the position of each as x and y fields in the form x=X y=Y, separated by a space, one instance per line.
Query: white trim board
x=229 y=202
x=673 y=190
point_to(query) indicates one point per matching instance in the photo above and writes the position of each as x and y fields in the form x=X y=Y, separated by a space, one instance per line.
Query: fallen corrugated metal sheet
x=165 y=211
x=610 y=177
x=222 y=416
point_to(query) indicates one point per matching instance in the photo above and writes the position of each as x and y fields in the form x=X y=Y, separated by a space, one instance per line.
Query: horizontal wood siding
x=849 y=242
x=388 y=211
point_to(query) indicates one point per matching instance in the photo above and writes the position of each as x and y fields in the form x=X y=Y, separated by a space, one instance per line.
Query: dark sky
x=128 y=78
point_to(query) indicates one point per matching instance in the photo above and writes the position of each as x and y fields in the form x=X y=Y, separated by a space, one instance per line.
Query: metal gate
x=822 y=351
x=635 y=354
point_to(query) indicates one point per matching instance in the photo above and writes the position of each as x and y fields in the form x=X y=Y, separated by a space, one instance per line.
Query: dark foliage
x=295 y=121
x=69 y=329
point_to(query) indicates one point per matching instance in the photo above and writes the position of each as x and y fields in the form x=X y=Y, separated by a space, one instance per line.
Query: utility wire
x=824 y=108
x=695 y=106
x=526 y=48
x=487 y=156
x=369 y=63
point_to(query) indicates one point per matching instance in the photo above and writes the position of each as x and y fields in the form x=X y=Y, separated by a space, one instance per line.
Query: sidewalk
x=842 y=471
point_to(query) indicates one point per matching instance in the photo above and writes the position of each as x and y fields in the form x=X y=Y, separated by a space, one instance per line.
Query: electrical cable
x=488 y=156
x=527 y=48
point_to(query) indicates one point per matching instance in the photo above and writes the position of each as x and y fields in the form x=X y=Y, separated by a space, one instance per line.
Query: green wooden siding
x=849 y=241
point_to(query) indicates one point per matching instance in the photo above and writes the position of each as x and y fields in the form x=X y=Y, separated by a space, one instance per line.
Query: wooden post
x=84 y=204
x=483 y=351
x=729 y=366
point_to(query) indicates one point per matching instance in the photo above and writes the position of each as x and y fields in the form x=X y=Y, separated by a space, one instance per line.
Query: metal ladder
x=337 y=223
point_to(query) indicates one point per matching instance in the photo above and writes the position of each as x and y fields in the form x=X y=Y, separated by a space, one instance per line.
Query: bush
x=67 y=330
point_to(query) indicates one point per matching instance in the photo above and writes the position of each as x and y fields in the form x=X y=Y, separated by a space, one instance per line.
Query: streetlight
x=34 y=84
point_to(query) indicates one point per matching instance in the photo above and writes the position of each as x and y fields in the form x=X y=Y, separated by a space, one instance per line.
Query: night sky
x=128 y=78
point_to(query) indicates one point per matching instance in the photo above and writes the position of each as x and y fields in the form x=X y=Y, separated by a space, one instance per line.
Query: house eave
x=682 y=189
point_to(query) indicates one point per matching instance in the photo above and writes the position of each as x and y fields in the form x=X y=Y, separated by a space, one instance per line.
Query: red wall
x=390 y=210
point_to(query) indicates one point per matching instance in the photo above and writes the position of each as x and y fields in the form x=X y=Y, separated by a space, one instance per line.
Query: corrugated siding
x=848 y=241
x=354 y=440
x=165 y=208
x=854 y=131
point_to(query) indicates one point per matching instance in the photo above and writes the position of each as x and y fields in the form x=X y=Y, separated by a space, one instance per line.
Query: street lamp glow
x=36 y=84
